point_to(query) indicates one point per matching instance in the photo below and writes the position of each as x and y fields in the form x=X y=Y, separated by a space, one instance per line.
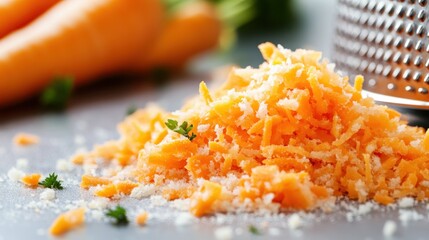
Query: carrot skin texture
x=192 y=29
x=81 y=38
x=15 y=14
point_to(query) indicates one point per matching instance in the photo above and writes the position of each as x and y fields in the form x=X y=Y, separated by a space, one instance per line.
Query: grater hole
x=400 y=11
x=386 y=71
x=363 y=50
x=409 y=88
x=390 y=9
x=417 y=76
x=409 y=29
x=371 y=52
x=389 y=25
x=419 y=45
x=396 y=73
x=363 y=66
x=420 y=30
x=397 y=57
x=422 y=90
x=427 y=63
x=381 y=7
x=371 y=67
x=418 y=61
x=406 y=74
x=388 y=40
x=371 y=5
x=363 y=19
x=363 y=35
x=398 y=42
x=379 y=53
x=391 y=86
x=387 y=56
x=372 y=20
x=363 y=4
x=421 y=15
x=411 y=13
x=378 y=69
x=407 y=59
x=408 y=44
x=371 y=36
x=380 y=23
x=399 y=26
x=379 y=38
x=422 y=2
x=426 y=79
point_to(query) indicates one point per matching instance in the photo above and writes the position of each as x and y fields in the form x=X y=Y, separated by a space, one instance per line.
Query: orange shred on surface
x=125 y=187
x=67 y=221
x=25 y=139
x=31 y=180
x=289 y=135
x=142 y=218
x=107 y=191
x=88 y=181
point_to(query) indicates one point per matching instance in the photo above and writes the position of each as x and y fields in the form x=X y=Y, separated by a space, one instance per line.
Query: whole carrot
x=192 y=29
x=15 y=14
x=81 y=38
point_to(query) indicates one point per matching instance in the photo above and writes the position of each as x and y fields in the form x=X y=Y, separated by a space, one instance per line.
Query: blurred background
x=244 y=25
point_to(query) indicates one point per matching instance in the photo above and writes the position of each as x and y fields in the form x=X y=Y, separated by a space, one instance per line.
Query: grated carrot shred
x=25 y=139
x=142 y=218
x=291 y=134
x=67 y=221
x=31 y=180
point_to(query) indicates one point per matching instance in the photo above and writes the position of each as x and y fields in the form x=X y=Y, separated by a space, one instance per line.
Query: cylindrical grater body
x=388 y=43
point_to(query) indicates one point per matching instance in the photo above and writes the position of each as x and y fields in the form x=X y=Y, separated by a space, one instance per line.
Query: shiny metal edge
x=397 y=101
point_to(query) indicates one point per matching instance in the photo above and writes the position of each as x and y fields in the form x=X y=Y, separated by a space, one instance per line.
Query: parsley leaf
x=51 y=182
x=56 y=95
x=131 y=109
x=119 y=214
x=183 y=129
x=254 y=230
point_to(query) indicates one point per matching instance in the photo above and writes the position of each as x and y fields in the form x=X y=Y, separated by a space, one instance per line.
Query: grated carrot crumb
x=142 y=218
x=25 y=139
x=31 y=180
x=67 y=221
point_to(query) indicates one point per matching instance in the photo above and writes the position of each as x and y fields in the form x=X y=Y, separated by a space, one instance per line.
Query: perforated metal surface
x=387 y=42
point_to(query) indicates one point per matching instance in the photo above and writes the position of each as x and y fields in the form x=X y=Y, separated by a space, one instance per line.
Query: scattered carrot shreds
x=142 y=218
x=78 y=158
x=107 y=191
x=291 y=134
x=92 y=181
x=67 y=221
x=31 y=180
x=125 y=187
x=25 y=139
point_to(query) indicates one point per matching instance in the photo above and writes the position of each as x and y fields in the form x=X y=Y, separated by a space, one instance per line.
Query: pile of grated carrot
x=291 y=134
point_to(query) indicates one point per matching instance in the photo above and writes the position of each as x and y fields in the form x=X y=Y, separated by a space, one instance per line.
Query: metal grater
x=388 y=43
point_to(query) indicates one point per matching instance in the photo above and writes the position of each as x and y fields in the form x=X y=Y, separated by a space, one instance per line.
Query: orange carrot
x=91 y=181
x=81 y=38
x=31 y=180
x=192 y=29
x=67 y=221
x=15 y=14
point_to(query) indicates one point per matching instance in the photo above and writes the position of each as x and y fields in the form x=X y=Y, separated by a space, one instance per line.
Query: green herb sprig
x=119 y=215
x=56 y=95
x=183 y=129
x=131 y=109
x=254 y=230
x=52 y=182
